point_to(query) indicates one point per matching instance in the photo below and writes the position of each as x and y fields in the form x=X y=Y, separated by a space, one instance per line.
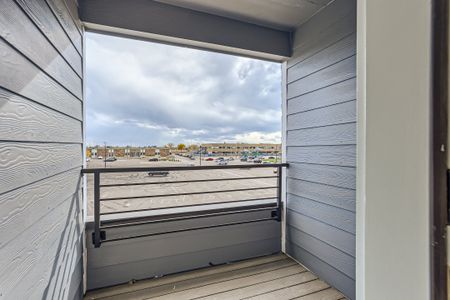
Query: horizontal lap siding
x=41 y=151
x=321 y=146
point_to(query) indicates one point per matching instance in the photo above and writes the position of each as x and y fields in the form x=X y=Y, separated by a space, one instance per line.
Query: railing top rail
x=177 y=168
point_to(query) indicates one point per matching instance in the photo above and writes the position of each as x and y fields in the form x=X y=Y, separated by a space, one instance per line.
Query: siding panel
x=339 y=218
x=25 y=120
x=45 y=20
x=61 y=11
x=24 y=163
x=340 y=71
x=337 y=259
x=323 y=30
x=335 y=237
x=40 y=141
x=20 y=76
x=321 y=145
x=26 y=38
x=335 y=155
x=342 y=134
x=323 y=270
x=333 y=94
x=339 y=197
x=27 y=261
x=341 y=50
x=330 y=175
x=335 y=114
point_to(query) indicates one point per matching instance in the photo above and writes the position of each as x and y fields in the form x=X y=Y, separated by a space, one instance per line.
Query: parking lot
x=176 y=188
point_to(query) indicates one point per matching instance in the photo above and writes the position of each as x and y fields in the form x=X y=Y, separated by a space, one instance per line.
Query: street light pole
x=104 y=158
x=200 y=155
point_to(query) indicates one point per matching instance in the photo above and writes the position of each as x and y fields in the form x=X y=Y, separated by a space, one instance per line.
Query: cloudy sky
x=141 y=93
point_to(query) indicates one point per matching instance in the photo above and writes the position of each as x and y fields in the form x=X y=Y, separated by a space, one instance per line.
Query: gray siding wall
x=41 y=113
x=321 y=145
x=122 y=261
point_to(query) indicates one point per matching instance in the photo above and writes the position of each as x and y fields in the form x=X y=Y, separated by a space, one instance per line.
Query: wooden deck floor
x=272 y=277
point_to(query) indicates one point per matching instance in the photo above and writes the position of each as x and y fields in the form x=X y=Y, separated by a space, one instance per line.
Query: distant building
x=164 y=152
x=220 y=149
x=128 y=152
x=229 y=149
x=149 y=151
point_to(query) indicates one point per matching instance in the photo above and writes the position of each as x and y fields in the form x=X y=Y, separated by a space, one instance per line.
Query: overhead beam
x=146 y=19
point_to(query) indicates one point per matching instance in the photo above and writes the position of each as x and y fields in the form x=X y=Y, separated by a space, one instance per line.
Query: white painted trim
x=393 y=149
x=360 y=147
x=283 y=151
x=83 y=148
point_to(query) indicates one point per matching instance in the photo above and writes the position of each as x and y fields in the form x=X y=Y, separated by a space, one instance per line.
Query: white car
x=222 y=163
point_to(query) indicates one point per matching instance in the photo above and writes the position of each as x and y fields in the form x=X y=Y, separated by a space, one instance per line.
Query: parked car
x=209 y=159
x=243 y=158
x=222 y=162
x=158 y=173
x=153 y=159
x=111 y=159
x=257 y=161
x=230 y=158
x=100 y=157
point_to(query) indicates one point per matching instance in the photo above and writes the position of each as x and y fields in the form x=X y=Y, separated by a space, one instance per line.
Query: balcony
x=215 y=220
x=379 y=232
x=146 y=226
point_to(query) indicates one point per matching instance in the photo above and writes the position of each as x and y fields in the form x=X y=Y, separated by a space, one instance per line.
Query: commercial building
x=227 y=149
x=128 y=152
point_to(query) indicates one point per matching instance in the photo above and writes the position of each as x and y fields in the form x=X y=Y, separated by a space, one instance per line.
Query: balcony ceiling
x=255 y=28
x=279 y=14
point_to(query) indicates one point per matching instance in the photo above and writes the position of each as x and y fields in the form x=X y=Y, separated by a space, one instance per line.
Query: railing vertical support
x=97 y=237
x=279 y=187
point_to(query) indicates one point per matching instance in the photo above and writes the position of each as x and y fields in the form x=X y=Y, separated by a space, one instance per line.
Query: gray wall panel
x=333 y=236
x=341 y=50
x=25 y=163
x=342 y=70
x=334 y=216
x=327 y=194
x=325 y=271
x=330 y=175
x=337 y=259
x=25 y=120
x=29 y=40
x=41 y=154
x=43 y=18
x=341 y=134
x=121 y=261
x=108 y=275
x=323 y=155
x=321 y=145
x=64 y=17
x=21 y=76
x=337 y=93
x=335 y=114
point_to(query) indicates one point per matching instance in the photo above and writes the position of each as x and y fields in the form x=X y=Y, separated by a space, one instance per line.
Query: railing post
x=279 y=187
x=96 y=235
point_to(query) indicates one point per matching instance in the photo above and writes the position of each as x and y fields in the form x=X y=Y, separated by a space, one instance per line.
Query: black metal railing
x=99 y=235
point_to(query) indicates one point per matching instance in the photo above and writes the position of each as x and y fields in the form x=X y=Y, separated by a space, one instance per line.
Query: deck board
x=271 y=277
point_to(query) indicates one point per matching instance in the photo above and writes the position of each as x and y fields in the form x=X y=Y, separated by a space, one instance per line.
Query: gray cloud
x=146 y=94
